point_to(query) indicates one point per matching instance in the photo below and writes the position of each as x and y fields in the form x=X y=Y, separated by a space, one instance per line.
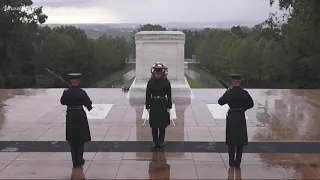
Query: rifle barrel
x=220 y=80
x=51 y=72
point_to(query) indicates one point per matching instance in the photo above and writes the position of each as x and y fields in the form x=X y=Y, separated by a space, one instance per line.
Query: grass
x=115 y=75
x=128 y=83
x=193 y=83
x=202 y=73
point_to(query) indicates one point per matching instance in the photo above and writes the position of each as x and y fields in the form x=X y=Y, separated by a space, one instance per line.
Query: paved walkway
x=283 y=130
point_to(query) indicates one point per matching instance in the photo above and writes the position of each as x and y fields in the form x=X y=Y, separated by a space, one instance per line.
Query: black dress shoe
x=155 y=145
x=83 y=162
x=76 y=165
x=79 y=164
x=161 y=145
x=237 y=165
x=232 y=164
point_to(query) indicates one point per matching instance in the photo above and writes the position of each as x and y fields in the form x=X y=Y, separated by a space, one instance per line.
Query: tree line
x=277 y=51
x=280 y=50
x=27 y=48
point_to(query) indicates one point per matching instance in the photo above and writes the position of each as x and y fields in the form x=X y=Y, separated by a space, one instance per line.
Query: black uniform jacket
x=77 y=127
x=158 y=100
x=239 y=100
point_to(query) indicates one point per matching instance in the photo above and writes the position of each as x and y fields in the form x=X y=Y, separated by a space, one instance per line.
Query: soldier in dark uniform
x=158 y=103
x=77 y=127
x=239 y=100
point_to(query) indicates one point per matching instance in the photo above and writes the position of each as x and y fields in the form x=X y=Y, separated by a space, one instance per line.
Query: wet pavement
x=281 y=119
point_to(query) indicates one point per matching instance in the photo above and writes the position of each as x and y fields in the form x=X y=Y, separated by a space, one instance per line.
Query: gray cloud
x=66 y=3
x=160 y=11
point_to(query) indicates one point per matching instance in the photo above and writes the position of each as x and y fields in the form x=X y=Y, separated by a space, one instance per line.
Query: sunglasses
x=158 y=70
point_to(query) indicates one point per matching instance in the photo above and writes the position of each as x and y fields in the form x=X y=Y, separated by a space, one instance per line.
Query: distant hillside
x=190 y=25
x=96 y=30
x=126 y=29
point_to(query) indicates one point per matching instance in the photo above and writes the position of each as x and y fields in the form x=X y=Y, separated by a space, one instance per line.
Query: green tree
x=223 y=64
x=18 y=29
x=110 y=53
x=190 y=43
x=237 y=30
x=56 y=52
x=274 y=62
x=83 y=56
x=151 y=27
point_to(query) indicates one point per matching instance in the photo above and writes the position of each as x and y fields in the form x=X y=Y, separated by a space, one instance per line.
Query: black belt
x=236 y=109
x=158 y=97
x=74 y=107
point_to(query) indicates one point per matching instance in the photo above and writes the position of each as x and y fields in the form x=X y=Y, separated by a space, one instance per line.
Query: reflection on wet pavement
x=158 y=165
x=278 y=115
x=77 y=173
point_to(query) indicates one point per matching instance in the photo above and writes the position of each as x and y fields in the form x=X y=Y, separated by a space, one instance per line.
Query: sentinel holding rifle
x=239 y=100
x=77 y=126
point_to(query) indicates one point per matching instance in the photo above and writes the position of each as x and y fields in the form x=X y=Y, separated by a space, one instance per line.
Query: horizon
x=152 y=23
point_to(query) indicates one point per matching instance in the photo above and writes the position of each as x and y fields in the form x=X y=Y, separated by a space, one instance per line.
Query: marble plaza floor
x=283 y=130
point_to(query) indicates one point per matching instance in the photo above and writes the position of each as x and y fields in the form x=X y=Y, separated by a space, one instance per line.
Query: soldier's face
x=235 y=82
x=75 y=81
x=158 y=74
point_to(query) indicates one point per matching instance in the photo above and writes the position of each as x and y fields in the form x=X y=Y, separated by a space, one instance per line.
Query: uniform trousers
x=235 y=154
x=158 y=135
x=77 y=153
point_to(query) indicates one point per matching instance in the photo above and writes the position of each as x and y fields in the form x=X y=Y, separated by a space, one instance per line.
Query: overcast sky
x=154 y=11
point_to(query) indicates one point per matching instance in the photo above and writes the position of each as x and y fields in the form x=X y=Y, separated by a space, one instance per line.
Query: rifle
x=51 y=72
x=225 y=85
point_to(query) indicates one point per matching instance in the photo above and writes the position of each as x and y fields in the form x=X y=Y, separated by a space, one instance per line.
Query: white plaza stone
x=160 y=46
x=99 y=111
x=219 y=112
x=173 y=114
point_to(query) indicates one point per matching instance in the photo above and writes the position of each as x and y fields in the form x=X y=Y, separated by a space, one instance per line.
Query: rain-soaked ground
x=283 y=129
